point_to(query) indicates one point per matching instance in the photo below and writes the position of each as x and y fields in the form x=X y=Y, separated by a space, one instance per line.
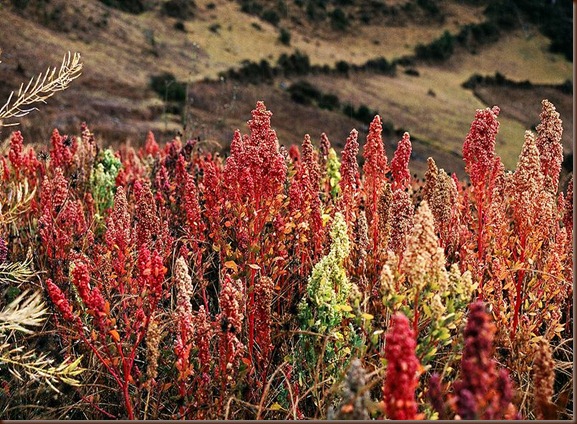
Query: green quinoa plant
x=103 y=180
x=327 y=334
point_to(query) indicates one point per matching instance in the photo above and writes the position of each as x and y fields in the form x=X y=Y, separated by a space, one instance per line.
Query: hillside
x=123 y=49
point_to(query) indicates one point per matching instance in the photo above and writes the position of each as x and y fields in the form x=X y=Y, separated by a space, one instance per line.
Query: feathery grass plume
x=350 y=177
x=27 y=310
x=355 y=398
x=548 y=142
x=41 y=87
x=16 y=199
x=402 y=372
x=400 y=164
x=16 y=273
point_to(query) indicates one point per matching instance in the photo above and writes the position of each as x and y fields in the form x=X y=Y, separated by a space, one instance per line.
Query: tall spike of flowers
x=480 y=391
x=118 y=234
x=184 y=320
x=400 y=163
x=153 y=338
x=440 y=192
x=91 y=297
x=62 y=151
x=424 y=260
x=527 y=183
x=263 y=315
x=190 y=202
x=423 y=257
x=231 y=301
x=402 y=213
x=477 y=365
x=374 y=170
x=333 y=174
x=150 y=229
x=62 y=223
x=151 y=147
x=484 y=168
x=328 y=274
x=16 y=153
x=479 y=145
x=103 y=180
x=310 y=162
x=325 y=146
x=60 y=300
x=548 y=142
x=403 y=369
x=322 y=309
x=350 y=175
x=264 y=160
x=312 y=181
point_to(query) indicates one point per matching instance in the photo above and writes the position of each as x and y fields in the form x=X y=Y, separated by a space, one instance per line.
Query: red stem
x=416 y=317
x=518 y=288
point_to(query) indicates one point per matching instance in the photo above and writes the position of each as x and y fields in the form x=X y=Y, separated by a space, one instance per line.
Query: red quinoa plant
x=196 y=286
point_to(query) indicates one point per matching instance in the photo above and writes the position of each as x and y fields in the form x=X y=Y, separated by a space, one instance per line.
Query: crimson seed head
x=59 y=299
x=479 y=145
x=402 y=374
x=400 y=163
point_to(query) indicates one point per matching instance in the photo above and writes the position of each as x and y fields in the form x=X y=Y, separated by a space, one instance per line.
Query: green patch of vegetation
x=168 y=88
